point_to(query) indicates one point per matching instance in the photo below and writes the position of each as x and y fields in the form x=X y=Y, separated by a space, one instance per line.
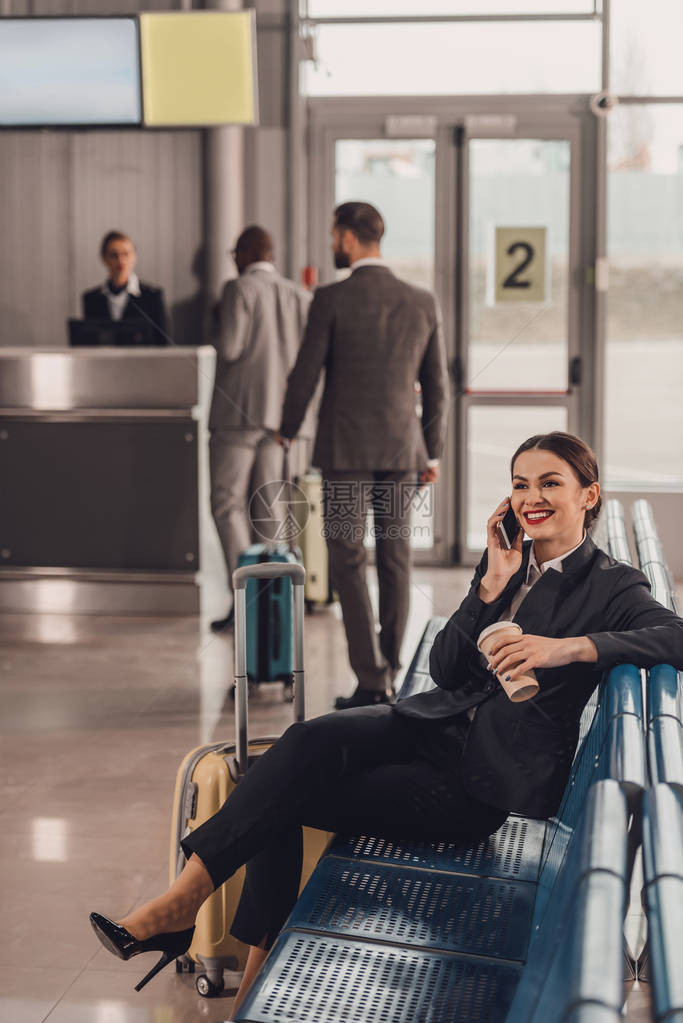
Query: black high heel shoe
x=121 y=942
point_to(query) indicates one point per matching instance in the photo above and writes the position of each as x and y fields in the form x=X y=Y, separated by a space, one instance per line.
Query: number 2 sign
x=521 y=266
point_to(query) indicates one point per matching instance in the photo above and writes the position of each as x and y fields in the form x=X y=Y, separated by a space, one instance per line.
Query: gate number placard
x=521 y=266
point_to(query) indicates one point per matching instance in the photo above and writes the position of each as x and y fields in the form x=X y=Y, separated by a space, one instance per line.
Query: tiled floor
x=96 y=715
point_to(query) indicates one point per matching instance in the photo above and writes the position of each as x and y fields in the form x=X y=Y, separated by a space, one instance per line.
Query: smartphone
x=508 y=528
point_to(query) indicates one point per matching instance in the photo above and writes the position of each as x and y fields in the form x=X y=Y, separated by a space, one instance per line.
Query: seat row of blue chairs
x=524 y=927
x=663 y=803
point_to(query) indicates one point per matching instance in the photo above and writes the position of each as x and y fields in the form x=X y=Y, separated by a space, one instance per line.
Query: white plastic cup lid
x=496 y=627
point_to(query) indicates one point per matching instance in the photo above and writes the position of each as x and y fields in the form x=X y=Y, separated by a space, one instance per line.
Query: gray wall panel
x=266 y=185
x=88 y=7
x=63 y=190
x=34 y=225
x=271 y=42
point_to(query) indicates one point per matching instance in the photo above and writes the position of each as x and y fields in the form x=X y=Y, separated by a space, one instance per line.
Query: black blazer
x=148 y=305
x=518 y=756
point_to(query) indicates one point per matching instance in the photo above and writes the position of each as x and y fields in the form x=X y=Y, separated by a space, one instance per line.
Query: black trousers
x=347 y=498
x=369 y=771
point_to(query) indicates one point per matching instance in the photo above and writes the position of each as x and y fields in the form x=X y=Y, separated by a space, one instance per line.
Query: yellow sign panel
x=198 y=68
x=521 y=267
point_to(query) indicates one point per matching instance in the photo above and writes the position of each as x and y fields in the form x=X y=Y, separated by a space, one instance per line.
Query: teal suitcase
x=269 y=618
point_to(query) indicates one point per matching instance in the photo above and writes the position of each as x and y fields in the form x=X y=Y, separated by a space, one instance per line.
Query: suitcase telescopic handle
x=240 y=576
x=273 y=570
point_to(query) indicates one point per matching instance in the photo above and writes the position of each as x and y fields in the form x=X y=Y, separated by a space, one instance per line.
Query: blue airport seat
x=617 y=540
x=513 y=852
x=322 y=979
x=651 y=557
x=408 y=906
x=614 y=745
x=417 y=678
x=665 y=751
x=664 y=693
x=663 y=869
x=665 y=725
x=575 y=955
x=384 y=969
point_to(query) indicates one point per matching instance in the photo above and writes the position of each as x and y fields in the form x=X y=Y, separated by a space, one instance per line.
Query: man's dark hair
x=114 y=236
x=576 y=453
x=256 y=244
x=363 y=219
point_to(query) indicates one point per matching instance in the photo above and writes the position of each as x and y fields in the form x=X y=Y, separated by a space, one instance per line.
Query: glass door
x=397 y=175
x=517 y=368
x=489 y=203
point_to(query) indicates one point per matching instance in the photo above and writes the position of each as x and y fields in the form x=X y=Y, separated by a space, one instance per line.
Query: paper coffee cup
x=517 y=689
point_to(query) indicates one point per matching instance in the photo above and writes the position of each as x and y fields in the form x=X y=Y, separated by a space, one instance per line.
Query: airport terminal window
x=493 y=433
x=644 y=360
x=518 y=345
x=397 y=176
x=646 y=48
x=397 y=8
x=454 y=58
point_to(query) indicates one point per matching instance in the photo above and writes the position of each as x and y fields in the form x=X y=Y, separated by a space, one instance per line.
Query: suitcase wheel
x=184 y=965
x=289 y=692
x=206 y=987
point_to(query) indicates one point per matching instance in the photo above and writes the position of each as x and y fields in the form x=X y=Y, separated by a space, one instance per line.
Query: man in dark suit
x=376 y=337
x=123 y=296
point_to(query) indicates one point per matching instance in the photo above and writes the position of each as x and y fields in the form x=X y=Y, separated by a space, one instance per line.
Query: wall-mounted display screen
x=69 y=71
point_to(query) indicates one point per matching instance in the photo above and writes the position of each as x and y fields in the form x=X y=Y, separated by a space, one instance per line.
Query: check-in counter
x=104 y=505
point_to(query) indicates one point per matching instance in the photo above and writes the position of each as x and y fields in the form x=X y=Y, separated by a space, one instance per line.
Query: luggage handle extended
x=297 y=573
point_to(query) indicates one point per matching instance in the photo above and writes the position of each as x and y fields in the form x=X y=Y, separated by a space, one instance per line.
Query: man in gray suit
x=257 y=332
x=375 y=336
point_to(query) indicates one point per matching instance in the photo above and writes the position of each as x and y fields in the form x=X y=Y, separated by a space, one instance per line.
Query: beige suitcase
x=205 y=779
x=311 y=541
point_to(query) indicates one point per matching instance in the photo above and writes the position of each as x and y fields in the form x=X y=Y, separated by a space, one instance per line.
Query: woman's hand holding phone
x=502 y=563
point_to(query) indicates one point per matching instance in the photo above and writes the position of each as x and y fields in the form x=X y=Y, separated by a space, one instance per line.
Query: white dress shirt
x=534 y=572
x=260 y=264
x=368 y=261
x=117 y=303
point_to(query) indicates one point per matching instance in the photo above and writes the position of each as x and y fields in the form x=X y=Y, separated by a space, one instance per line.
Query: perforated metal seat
x=513 y=852
x=310 y=979
x=402 y=905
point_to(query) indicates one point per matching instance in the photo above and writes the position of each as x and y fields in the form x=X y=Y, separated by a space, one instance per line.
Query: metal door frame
x=560 y=117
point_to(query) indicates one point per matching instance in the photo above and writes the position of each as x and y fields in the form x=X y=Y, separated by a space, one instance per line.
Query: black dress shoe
x=223 y=624
x=361 y=698
x=121 y=943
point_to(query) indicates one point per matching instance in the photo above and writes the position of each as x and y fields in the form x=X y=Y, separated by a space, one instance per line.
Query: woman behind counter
x=452 y=763
x=123 y=296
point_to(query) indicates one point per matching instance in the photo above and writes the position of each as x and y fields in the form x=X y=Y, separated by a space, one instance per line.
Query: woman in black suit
x=124 y=296
x=451 y=763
